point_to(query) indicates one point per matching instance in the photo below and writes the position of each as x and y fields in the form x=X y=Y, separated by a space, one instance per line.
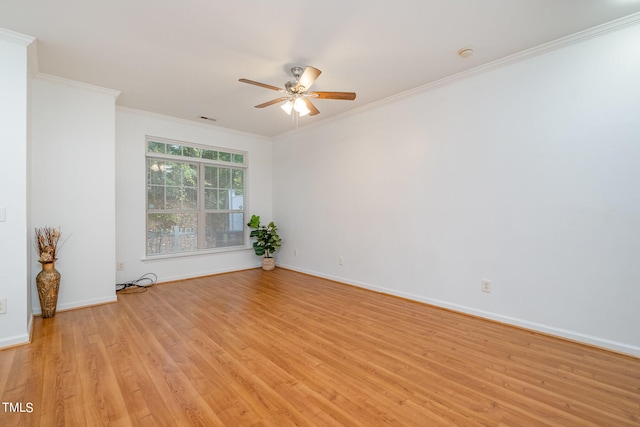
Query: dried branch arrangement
x=47 y=239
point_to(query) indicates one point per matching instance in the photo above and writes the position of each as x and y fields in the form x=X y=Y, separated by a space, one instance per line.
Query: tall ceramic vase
x=48 y=283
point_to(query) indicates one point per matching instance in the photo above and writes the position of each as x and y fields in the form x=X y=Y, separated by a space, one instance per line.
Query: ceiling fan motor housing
x=290 y=86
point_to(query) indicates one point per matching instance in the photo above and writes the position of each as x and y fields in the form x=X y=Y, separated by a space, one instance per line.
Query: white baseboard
x=209 y=273
x=97 y=301
x=78 y=304
x=15 y=340
x=525 y=324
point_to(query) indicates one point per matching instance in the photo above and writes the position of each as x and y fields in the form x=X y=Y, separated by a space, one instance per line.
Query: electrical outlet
x=340 y=260
x=121 y=265
x=295 y=253
x=486 y=286
x=3 y=306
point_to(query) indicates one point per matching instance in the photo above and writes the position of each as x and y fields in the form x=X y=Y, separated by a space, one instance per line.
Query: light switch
x=3 y=214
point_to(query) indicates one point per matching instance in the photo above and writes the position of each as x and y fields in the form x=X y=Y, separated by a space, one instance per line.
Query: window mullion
x=202 y=216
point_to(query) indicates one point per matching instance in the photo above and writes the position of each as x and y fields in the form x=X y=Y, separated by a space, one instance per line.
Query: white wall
x=14 y=249
x=526 y=175
x=73 y=186
x=132 y=127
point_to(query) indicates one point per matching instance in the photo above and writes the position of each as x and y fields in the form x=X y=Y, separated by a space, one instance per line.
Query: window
x=195 y=197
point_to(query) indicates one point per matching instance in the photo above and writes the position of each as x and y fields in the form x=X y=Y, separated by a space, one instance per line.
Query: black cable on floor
x=141 y=283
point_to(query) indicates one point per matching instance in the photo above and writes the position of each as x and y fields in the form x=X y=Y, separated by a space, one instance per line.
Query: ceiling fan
x=297 y=92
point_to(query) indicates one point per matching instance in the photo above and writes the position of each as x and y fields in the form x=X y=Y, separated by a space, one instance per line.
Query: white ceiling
x=184 y=58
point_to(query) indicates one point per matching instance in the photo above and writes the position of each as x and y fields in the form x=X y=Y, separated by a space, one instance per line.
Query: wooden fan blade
x=273 y=101
x=348 y=96
x=307 y=78
x=312 y=108
x=264 y=85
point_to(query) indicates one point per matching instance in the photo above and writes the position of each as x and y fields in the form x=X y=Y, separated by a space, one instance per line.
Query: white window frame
x=201 y=210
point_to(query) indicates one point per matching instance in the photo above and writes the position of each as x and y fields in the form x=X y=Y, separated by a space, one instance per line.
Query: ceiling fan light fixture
x=296 y=104
x=287 y=107
x=301 y=107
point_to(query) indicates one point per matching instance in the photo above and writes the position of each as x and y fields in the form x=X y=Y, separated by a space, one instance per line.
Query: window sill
x=197 y=253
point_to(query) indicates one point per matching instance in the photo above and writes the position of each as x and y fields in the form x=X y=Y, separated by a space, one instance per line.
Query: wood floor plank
x=255 y=348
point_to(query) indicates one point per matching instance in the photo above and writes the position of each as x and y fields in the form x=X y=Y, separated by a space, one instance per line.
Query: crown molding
x=597 y=31
x=581 y=36
x=189 y=122
x=13 y=37
x=85 y=86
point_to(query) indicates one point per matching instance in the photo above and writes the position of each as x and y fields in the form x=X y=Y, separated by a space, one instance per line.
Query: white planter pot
x=268 y=263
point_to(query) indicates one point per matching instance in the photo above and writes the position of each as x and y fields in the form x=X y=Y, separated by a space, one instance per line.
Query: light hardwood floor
x=280 y=348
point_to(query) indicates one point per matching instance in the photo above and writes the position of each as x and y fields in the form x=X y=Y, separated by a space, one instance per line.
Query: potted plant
x=267 y=241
